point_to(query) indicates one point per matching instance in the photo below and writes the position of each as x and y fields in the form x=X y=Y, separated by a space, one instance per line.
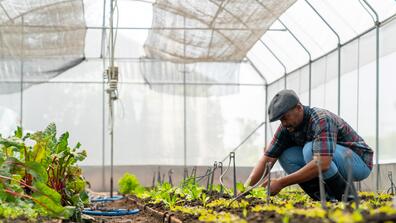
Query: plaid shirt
x=326 y=130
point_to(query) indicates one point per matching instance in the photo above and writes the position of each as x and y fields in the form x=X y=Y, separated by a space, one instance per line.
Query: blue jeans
x=294 y=158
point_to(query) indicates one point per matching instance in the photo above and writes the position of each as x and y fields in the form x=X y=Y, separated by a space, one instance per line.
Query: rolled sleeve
x=325 y=137
x=279 y=143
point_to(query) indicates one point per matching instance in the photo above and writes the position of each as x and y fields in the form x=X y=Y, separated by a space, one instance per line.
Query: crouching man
x=305 y=133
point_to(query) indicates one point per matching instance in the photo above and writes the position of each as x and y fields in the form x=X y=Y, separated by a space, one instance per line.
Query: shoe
x=336 y=185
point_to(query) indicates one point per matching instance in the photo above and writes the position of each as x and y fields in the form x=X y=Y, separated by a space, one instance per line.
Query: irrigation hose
x=115 y=212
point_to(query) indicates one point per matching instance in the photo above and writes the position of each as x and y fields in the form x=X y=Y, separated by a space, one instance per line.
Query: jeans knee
x=307 y=152
x=291 y=159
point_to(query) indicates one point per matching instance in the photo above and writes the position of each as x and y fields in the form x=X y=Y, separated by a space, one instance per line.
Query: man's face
x=293 y=118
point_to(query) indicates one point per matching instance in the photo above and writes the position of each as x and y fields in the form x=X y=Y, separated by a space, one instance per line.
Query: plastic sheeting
x=39 y=39
x=209 y=30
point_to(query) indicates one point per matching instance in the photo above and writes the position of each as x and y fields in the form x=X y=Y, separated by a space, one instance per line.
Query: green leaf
x=38 y=152
x=128 y=183
x=62 y=143
x=240 y=187
x=48 y=192
x=76 y=185
x=18 y=132
x=54 y=207
x=37 y=171
x=11 y=142
x=50 y=130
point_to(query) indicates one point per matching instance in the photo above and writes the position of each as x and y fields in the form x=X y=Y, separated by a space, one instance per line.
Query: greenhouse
x=197 y=110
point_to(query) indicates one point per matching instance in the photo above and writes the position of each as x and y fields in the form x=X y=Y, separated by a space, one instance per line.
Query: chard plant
x=41 y=169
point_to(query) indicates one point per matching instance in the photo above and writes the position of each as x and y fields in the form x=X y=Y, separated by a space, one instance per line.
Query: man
x=306 y=134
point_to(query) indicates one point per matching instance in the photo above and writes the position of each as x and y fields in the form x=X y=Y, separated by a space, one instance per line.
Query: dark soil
x=142 y=217
x=254 y=217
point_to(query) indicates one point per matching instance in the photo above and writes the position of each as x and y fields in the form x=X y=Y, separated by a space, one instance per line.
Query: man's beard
x=290 y=129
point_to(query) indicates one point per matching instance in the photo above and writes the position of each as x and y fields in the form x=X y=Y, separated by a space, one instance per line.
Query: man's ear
x=299 y=107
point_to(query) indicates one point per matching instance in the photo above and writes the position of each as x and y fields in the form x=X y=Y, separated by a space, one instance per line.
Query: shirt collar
x=307 y=113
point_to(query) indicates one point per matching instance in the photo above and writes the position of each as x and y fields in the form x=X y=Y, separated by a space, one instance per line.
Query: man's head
x=286 y=107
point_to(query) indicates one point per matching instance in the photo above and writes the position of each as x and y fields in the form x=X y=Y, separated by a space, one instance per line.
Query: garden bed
x=192 y=203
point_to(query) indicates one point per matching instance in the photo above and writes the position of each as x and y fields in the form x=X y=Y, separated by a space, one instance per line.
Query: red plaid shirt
x=325 y=130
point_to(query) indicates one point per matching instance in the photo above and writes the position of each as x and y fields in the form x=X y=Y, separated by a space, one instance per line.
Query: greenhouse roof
x=275 y=37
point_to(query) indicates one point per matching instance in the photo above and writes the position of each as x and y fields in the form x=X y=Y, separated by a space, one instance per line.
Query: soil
x=142 y=217
x=254 y=217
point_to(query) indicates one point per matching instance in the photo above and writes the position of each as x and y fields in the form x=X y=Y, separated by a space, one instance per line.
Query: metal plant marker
x=170 y=173
x=268 y=170
x=212 y=177
x=392 y=187
x=221 y=172
x=153 y=183
x=322 y=191
x=350 y=187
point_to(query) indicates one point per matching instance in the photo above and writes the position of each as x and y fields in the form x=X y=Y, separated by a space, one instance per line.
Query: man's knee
x=291 y=159
x=307 y=152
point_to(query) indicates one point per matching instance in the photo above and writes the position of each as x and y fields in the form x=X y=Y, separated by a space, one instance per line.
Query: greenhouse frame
x=194 y=79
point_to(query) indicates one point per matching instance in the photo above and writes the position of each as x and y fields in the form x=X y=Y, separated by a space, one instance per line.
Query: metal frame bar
x=134 y=83
x=276 y=57
x=177 y=28
x=266 y=97
x=138 y=28
x=22 y=67
x=338 y=49
x=184 y=99
x=377 y=26
x=309 y=59
x=331 y=51
x=102 y=55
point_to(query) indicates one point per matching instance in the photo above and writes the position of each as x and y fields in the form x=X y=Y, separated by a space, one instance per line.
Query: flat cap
x=282 y=102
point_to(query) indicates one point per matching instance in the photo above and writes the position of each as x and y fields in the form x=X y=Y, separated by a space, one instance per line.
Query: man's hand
x=259 y=169
x=276 y=186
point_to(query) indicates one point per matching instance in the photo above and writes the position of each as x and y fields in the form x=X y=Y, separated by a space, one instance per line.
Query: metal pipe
x=135 y=83
x=22 y=68
x=111 y=101
x=243 y=141
x=212 y=177
x=268 y=167
x=165 y=28
x=266 y=91
x=232 y=156
x=221 y=173
x=208 y=173
x=102 y=55
x=184 y=99
x=321 y=184
x=266 y=117
x=276 y=57
x=257 y=70
x=339 y=53
x=309 y=62
x=377 y=26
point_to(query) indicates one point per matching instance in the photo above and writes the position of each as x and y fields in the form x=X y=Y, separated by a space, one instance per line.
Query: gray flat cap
x=282 y=102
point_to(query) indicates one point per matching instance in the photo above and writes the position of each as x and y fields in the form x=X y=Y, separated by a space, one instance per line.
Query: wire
x=265 y=173
x=244 y=140
x=222 y=175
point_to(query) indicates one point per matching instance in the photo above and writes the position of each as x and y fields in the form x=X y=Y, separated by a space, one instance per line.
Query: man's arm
x=258 y=170
x=308 y=172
